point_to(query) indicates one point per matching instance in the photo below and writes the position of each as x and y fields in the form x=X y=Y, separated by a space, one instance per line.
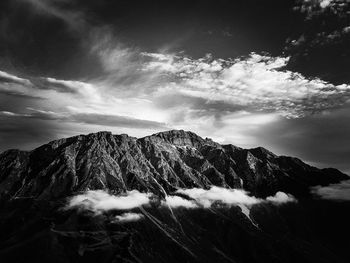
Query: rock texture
x=160 y=163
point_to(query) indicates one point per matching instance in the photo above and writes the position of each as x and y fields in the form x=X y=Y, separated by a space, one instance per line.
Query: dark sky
x=270 y=73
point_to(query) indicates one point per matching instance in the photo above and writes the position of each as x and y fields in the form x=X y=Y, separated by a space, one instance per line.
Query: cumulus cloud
x=127 y=217
x=256 y=83
x=99 y=201
x=317 y=7
x=336 y=192
x=167 y=86
x=280 y=198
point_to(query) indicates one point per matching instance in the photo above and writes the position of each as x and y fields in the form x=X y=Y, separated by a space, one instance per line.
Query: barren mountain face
x=160 y=163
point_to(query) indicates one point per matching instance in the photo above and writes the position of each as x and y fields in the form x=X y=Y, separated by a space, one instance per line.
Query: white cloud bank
x=100 y=201
x=231 y=197
x=336 y=192
x=177 y=201
x=206 y=198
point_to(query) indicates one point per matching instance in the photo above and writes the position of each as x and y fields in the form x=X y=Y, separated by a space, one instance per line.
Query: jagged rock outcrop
x=160 y=163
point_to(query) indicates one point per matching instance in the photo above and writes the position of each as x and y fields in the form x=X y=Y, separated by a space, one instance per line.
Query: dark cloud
x=321 y=46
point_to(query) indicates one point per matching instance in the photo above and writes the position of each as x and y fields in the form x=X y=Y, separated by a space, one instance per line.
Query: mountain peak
x=180 y=138
x=261 y=152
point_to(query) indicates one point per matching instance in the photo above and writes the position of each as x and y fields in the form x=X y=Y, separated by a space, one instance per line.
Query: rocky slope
x=160 y=163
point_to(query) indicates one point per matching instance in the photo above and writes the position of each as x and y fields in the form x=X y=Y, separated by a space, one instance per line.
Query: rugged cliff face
x=160 y=163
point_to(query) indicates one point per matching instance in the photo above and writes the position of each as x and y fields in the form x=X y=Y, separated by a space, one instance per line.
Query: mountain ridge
x=160 y=163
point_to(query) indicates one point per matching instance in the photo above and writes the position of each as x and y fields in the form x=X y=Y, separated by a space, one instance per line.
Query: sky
x=246 y=72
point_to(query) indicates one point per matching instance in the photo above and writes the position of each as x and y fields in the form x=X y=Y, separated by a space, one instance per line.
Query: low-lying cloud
x=127 y=217
x=177 y=201
x=280 y=198
x=336 y=192
x=99 y=201
x=206 y=198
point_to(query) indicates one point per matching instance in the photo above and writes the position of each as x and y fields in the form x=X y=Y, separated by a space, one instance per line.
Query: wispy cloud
x=116 y=121
x=9 y=78
x=16 y=86
x=88 y=118
x=69 y=86
x=73 y=18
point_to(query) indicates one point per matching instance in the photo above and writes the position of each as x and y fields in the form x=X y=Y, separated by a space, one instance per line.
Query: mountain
x=159 y=163
x=35 y=186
